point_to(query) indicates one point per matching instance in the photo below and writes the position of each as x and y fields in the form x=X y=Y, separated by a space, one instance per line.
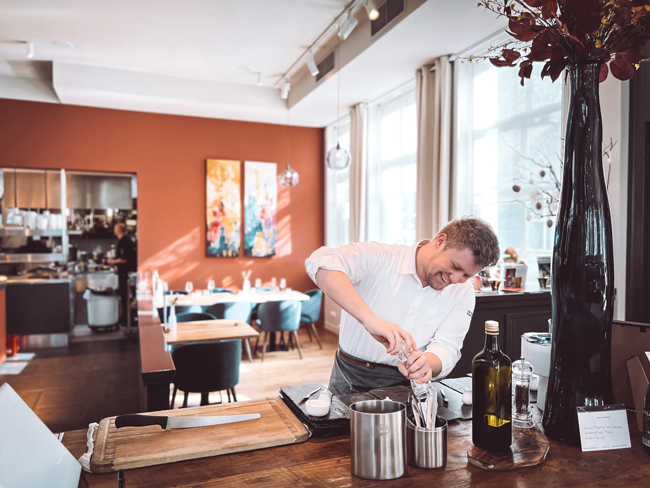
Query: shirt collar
x=407 y=264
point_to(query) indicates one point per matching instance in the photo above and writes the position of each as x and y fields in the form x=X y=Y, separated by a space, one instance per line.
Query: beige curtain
x=358 y=177
x=433 y=94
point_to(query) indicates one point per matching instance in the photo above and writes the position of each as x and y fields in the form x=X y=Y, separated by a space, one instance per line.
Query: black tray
x=337 y=421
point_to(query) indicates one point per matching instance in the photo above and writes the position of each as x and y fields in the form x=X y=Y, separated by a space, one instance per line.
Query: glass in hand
x=419 y=389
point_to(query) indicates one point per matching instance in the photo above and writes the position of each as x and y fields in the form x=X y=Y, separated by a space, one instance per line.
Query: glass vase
x=583 y=268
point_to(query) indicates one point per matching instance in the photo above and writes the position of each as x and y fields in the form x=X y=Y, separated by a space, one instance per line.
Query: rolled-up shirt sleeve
x=448 y=339
x=354 y=260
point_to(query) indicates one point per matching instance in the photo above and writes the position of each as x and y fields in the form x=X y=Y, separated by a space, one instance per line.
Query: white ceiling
x=201 y=57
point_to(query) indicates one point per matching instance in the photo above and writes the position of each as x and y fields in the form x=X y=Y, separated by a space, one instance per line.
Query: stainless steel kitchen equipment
x=427 y=448
x=378 y=439
x=23 y=240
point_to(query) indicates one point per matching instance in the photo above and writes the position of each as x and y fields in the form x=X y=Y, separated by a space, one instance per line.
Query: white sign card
x=603 y=428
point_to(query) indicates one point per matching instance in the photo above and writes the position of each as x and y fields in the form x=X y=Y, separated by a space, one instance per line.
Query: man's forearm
x=435 y=363
x=338 y=287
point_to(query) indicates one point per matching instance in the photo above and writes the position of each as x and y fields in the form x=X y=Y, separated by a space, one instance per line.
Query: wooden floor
x=70 y=387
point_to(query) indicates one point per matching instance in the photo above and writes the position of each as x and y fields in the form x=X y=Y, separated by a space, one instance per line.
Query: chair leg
x=185 y=400
x=228 y=392
x=290 y=342
x=233 y=394
x=247 y=344
x=257 y=342
x=313 y=327
x=308 y=331
x=174 y=396
x=220 y=397
x=266 y=335
x=205 y=398
x=295 y=336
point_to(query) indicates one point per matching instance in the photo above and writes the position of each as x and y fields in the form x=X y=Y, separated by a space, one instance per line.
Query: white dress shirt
x=385 y=277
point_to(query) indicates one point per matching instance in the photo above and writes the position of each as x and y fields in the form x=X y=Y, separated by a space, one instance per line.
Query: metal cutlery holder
x=378 y=439
x=427 y=448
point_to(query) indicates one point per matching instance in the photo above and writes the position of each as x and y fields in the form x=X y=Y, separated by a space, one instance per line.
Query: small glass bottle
x=522 y=373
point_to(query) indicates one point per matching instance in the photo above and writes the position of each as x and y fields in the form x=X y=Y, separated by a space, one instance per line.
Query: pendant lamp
x=289 y=177
x=338 y=157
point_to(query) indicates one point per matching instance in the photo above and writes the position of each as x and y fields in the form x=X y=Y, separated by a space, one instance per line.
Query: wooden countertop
x=326 y=463
x=156 y=362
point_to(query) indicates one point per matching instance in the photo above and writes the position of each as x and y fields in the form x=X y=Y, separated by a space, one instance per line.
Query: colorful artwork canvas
x=223 y=200
x=260 y=206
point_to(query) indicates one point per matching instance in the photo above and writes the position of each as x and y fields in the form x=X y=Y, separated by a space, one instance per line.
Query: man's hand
x=417 y=367
x=390 y=335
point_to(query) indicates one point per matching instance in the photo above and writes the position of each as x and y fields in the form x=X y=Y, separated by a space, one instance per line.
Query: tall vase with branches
x=590 y=39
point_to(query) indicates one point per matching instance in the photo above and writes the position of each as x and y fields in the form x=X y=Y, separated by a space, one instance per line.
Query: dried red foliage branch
x=563 y=32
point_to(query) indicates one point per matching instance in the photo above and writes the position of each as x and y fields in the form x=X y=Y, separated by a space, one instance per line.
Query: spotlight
x=284 y=91
x=30 y=49
x=313 y=69
x=371 y=8
x=260 y=78
x=347 y=27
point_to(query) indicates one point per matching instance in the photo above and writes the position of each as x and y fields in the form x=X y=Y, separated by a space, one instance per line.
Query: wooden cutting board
x=136 y=447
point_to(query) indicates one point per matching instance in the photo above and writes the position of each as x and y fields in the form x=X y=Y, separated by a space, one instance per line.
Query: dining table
x=208 y=299
x=212 y=330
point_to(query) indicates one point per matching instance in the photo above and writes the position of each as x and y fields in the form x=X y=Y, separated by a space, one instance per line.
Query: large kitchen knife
x=167 y=423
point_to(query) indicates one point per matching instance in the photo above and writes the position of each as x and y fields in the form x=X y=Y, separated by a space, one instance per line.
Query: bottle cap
x=492 y=327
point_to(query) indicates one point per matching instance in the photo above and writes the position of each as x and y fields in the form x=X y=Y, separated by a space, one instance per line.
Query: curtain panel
x=358 y=171
x=433 y=94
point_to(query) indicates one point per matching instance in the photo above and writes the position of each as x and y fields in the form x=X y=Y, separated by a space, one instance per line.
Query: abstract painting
x=260 y=205
x=223 y=207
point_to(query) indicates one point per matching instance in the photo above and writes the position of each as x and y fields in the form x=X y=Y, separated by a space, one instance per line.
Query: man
x=394 y=295
x=126 y=261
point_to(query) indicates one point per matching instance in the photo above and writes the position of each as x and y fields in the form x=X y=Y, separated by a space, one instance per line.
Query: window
x=337 y=191
x=504 y=132
x=392 y=169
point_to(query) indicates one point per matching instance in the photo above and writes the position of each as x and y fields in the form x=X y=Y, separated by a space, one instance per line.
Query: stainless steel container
x=378 y=438
x=427 y=448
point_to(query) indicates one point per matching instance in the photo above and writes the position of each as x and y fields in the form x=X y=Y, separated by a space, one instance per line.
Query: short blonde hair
x=475 y=234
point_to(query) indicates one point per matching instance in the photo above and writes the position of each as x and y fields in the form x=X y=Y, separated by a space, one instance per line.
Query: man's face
x=442 y=267
x=116 y=231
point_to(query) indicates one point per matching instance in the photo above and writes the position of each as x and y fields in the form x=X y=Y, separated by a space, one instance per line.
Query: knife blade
x=167 y=423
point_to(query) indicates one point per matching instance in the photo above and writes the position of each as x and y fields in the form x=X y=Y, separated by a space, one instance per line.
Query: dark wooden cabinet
x=516 y=314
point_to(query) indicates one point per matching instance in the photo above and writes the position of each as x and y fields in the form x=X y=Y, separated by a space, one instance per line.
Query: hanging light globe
x=338 y=158
x=289 y=177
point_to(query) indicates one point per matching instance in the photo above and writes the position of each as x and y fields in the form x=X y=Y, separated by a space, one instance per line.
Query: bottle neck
x=492 y=342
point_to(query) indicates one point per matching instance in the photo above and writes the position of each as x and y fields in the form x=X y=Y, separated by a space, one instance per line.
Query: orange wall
x=168 y=154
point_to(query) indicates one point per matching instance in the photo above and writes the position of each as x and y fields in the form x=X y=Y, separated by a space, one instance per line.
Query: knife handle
x=134 y=420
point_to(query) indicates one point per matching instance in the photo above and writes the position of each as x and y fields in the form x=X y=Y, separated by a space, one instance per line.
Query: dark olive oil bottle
x=491 y=392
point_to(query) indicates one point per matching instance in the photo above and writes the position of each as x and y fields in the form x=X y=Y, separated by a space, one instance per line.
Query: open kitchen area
x=342 y=243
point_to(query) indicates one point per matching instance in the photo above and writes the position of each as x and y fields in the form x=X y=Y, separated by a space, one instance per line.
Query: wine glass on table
x=189 y=286
x=210 y=285
x=283 y=284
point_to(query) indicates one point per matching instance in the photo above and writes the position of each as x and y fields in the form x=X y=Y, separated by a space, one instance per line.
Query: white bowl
x=317 y=408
